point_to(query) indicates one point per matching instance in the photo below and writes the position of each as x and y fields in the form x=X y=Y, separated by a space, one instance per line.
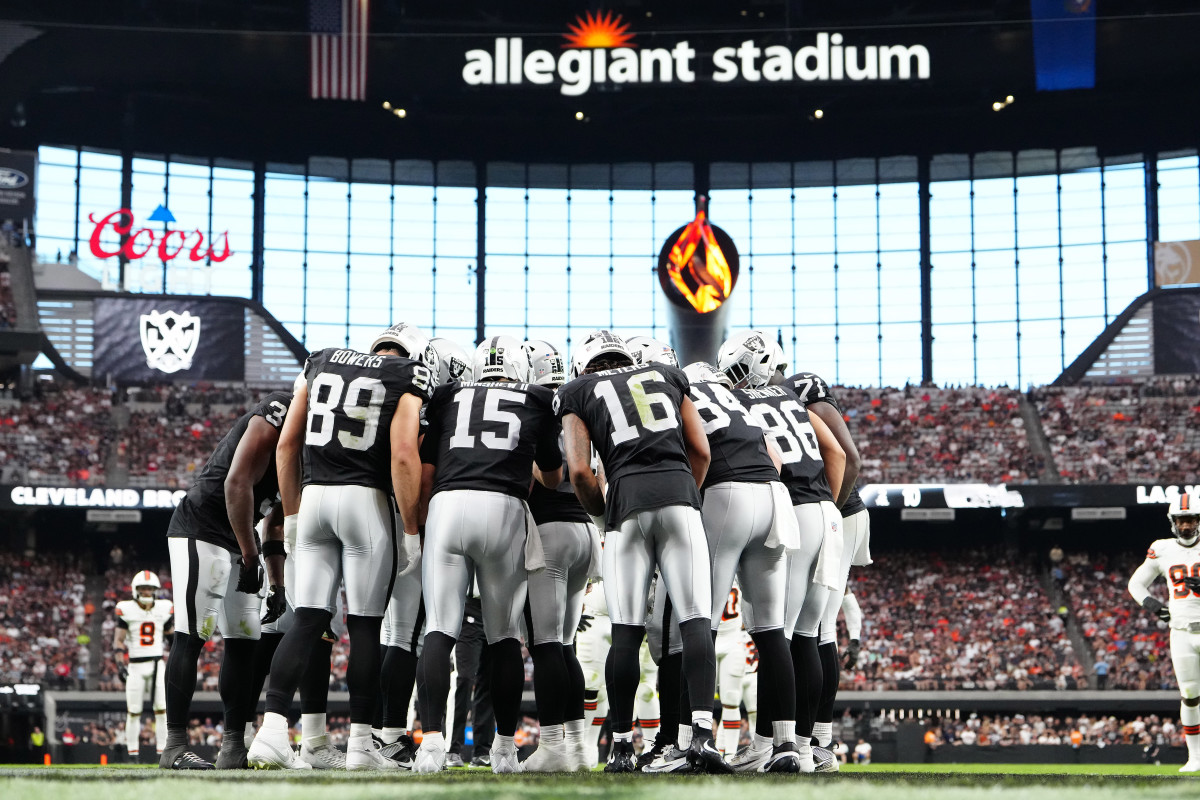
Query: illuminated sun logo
x=600 y=30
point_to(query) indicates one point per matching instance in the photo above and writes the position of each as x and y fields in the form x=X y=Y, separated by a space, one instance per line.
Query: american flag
x=338 y=49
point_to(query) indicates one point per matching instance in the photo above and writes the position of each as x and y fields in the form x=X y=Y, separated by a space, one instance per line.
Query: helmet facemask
x=1186 y=528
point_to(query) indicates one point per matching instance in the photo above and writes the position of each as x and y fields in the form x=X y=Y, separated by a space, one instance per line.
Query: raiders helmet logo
x=169 y=340
x=755 y=343
x=457 y=367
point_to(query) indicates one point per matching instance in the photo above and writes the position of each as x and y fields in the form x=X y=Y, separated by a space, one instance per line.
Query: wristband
x=274 y=547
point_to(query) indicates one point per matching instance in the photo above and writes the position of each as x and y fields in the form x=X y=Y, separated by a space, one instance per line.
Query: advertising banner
x=1177 y=333
x=1176 y=263
x=155 y=338
x=17 y=170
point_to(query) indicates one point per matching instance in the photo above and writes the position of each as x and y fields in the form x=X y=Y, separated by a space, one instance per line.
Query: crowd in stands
x=1147 y=431
x=925 y=435
x=8 y=305
x=1133 y=644
x=1019 y=729
x=60 y=435
x=44 y=621
x=974 y=619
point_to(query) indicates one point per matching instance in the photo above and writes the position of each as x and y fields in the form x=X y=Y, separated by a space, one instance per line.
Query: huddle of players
x=408 y=485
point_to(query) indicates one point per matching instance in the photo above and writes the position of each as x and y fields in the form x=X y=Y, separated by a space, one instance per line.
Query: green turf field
x=874 y=782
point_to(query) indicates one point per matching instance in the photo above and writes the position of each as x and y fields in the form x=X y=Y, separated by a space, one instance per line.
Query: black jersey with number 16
x=351 y=400
x=786 y=422
x=633 y=416
x=812 y=388
x=487 y=436
x=735 y=438
x=202 y=513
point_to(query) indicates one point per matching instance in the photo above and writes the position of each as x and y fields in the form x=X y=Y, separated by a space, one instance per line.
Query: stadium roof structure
x=623 y=81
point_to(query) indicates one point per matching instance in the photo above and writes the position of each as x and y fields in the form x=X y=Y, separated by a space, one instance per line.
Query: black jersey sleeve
x=676 y=378
x=568 y=400
x=547 y=454
x=273 y=408
x=432 y=424
x=812 y=388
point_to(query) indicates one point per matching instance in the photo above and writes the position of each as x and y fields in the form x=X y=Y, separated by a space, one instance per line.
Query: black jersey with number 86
x=786 y=422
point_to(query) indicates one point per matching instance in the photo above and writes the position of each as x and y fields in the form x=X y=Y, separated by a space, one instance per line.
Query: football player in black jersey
x=572 y=547
x=651 y=440
x=357 y=422
x=214 y=561
x=856 y=536
x=813 y=465
x=482 y=442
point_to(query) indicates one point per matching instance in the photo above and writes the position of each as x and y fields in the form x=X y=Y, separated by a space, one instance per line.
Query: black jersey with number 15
x=352 y=397
x=202 y=513
x=812 y=388
x=487 y=436
x=633 y=416
x=786 y=422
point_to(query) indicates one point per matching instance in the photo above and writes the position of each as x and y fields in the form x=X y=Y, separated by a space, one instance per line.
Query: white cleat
x=822 y=759
x=591 y=758
x=271 y=750
x=749 y=759
x=365 y=752
x=430 y=759
x=1192 y=765
x=504 y=760
x=548 y=758
x=318 y=753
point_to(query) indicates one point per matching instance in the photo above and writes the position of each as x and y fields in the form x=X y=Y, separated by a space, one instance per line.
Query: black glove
x=1192 y=582
x=1155 y=606
x=250 y=577
x=585 y=622
x=123 y=673
x=852 y=653
x=276 y=605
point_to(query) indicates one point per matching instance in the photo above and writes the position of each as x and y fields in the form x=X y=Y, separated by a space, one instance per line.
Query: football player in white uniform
x=731 y=669
x=141 y=624
x=1178 y=561
x=592 y=642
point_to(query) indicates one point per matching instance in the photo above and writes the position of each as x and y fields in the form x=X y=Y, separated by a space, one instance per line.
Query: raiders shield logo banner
x=151 y=338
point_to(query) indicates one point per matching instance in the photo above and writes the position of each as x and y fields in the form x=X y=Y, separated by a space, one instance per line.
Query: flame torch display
x=698 y=268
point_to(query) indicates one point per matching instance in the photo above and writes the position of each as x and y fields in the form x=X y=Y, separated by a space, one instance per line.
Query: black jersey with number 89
x=735 y=438
x=633 y=417
x=351 y=400
x=787 y=424
x=487 y=436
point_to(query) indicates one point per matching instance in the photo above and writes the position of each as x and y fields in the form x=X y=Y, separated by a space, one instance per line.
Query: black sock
x=362 y=674
x=669 y=696
x=181 y=676
x=236 y=664
x=314 y=684
x=268 y=643
x=396 y=681
x=434 y=685
x=776 y=678
x=508 y=680
x=831 y=674
x=622 y=673
x=806 y=665
x=699 y=663
x=550 y=682
x=292 y=657
x=575 y=684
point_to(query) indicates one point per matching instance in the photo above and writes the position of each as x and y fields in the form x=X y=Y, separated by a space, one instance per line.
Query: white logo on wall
x=169 y=340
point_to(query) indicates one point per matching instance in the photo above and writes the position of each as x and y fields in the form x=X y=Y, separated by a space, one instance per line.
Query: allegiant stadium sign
x=601 y=50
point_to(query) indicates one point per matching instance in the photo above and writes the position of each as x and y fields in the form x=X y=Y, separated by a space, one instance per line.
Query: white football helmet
x=651 y=351
x=412 y=341
x=453 y=361
x=546 y=366
x=1185 y=509
x=704 y=372
x=145 y=580
x=596 y=344
x=748 y=359
x=499 y=358
x=781 y=362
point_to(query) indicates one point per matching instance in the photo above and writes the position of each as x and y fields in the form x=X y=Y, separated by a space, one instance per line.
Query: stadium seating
x=1019 y=729
x=44 y=616
x=62 y=436
x=975 y=619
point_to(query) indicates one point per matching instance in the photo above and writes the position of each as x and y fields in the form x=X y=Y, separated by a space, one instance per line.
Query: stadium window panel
x=993 y=209
x=1082 y=215
x=232 y=212
x=858 y=359
x=814 y=293
x=995 y=286
x=455 y=284
x=813 y=212
x=283 y=289
x=856 y=219
x=1037 y=211
x=1178 y=199
x=997 y=354
x=328 y=213
x=370 y=218
x=283 y=223
x=1126 y=268
x=548 y=222
x=326 y=300
x=900 y=287
x=952 y=293
x=507 y=298
x=544 y=293
x=1041 y=361
x=370 y=303
x=858 y=293
x=772 y=222
x=1082 y=283
x=456 y=223
x=507 y=224
x=901 y=354
x=1125 y=205
x=1080 y=333
x=55 y=212
x=591 y=216
x=633 y=224
x=1038 y=292
x=412 y=291
x=325 y=334
x=950 y=220
x=589 y=298
x=954 y=359
x=412 y=225
x=813 y=351
x=99 y=195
